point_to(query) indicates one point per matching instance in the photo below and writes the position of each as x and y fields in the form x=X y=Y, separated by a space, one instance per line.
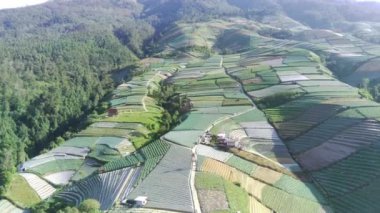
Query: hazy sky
x=22 y=3
x=19 y=3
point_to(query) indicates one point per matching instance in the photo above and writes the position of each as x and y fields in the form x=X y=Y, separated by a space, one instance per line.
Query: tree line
x=55 y=69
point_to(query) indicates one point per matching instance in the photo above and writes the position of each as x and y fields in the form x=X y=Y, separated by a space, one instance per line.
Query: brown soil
x=256 y=80
x=270 y=176
x=212 y=200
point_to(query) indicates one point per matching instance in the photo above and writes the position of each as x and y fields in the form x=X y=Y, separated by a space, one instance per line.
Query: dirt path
x=228 y=117
x=197 y=206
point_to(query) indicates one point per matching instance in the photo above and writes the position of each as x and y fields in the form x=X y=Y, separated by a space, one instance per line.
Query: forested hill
x=56 y=58
x=55 y=61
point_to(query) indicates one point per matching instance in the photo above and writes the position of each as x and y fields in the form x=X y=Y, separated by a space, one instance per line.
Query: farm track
x=197 y=206
x=228 y=117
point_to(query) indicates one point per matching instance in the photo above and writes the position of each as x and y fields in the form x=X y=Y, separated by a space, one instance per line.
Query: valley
x=226 y=115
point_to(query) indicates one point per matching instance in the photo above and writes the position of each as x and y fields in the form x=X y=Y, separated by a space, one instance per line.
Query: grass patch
x=84 y=172
x=145 y=118
x=209 y=181
x=101 y=132
x=253 y=115
x=225 y=126
x=21 y=193
x=198 y=121
x=232 y=40
x=238 y=198
x=236 y=102
x=221 y=211
x=149 y=121
x=81 y=142
x=241 y=164
x=57 y=166
x=139 y=141
x=278 y=99
x=104 y=153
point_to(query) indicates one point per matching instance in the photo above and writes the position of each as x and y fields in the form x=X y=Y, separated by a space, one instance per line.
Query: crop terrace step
x=43 y=188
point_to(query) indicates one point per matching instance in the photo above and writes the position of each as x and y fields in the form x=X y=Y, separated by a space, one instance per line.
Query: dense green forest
x=57 y=58
x=55 y=69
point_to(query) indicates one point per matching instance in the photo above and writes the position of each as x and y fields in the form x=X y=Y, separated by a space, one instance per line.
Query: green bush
x=89 y=206
x=278 y=99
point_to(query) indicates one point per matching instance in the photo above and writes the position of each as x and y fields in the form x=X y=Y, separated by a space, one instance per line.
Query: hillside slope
x=291 y=83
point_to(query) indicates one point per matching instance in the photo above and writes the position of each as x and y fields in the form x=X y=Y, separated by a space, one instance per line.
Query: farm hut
x=21 y=168
x=113 y=112
x=130 y=203
x=124 y=85
x=141 y=201
x=206 y=138
x=221 y=136
x=224 y=141
x=227 y=142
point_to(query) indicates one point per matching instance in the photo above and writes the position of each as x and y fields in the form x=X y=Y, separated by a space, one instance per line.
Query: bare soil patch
x=212 y=200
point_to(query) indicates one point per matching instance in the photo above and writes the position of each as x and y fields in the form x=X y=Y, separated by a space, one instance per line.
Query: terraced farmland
x=214 y=97
x=43 y=189
x=360 y=200
x=212 y=153
x=21 y=193
x=279 y=199
x=7 y=206
x=137 y=112
x=349 y=174
x=57 y=166
x=60 y=178
x=173 y=193
x=106 y=188
x=321 y=133
x=242 y=165
x=48 y=159
x=305 y=141
x=117 y=143
x=153 y=152
x=104 y=141
x=324 y=130
x=341 y=146
x=256 y=206
x=72 y=160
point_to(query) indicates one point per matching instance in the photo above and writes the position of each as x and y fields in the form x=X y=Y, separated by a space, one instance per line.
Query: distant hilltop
x=20 y=3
